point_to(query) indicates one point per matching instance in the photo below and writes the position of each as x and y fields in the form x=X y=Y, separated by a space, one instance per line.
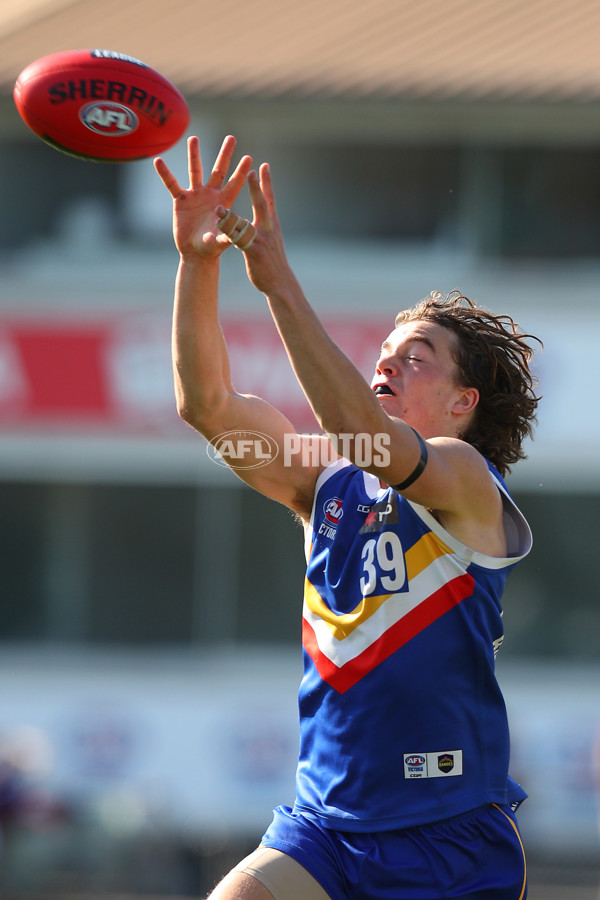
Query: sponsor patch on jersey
x=384 y=512
x=445 y=763
x=333 y=510
x=440 y=764
x=415 y=765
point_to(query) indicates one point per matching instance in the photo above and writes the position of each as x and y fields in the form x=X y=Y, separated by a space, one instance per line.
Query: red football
x=100 y=105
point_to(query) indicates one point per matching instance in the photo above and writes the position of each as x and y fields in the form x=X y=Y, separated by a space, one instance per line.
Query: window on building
x=50 y=195
x=551 y=203
x=550 y=602
x=138 y=565
x=387 y=192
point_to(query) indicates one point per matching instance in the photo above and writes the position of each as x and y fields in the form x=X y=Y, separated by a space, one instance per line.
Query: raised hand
x=262 y=239
x=195 y=228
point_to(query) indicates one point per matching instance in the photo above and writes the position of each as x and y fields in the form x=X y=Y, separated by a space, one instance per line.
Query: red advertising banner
x=114 y=374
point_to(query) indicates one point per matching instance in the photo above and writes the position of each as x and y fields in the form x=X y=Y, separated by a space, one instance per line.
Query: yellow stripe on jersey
x=341 y=625
x=425 y=551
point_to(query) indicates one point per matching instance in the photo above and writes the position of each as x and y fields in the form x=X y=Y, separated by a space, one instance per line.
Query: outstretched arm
x=455 y=482
x=201 y=368
x=206 y=398
x=339 y=395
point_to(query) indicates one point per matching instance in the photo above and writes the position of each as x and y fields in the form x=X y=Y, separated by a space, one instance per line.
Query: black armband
x=418 y=469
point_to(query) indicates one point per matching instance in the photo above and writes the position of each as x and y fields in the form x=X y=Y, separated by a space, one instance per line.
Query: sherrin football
x=100 y=105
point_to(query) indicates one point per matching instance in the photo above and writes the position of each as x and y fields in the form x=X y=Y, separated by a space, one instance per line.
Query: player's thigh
x=268 y=874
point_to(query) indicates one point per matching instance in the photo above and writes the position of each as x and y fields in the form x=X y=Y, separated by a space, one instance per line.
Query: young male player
x=402 y=783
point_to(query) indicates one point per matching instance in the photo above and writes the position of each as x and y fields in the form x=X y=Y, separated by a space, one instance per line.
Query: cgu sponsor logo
x=108 y=118
x=383 y=513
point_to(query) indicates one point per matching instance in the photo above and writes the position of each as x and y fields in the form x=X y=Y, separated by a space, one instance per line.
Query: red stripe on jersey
x=341 y=678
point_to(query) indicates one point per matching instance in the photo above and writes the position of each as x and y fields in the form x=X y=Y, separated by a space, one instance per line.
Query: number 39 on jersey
x=383 y=566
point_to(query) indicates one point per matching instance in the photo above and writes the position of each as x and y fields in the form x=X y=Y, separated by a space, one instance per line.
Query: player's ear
x=468 y=399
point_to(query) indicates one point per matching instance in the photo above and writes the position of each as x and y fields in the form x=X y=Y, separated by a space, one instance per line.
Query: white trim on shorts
x=282 y=875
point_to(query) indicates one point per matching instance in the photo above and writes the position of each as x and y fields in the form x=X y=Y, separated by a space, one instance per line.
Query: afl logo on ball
x=106 y=117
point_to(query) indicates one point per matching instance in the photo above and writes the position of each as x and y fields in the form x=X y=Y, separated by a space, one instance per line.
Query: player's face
x=416 y=378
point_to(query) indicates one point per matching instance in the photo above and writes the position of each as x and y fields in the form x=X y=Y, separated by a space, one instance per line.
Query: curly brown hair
x=493 y=356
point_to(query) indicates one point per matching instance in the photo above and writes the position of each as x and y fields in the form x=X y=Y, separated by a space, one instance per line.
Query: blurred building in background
x=149 y=661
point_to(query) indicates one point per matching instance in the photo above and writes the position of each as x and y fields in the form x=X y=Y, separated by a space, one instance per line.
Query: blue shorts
x=477 y=855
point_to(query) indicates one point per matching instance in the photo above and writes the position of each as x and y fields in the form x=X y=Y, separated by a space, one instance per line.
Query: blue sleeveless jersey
x=402 y=721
